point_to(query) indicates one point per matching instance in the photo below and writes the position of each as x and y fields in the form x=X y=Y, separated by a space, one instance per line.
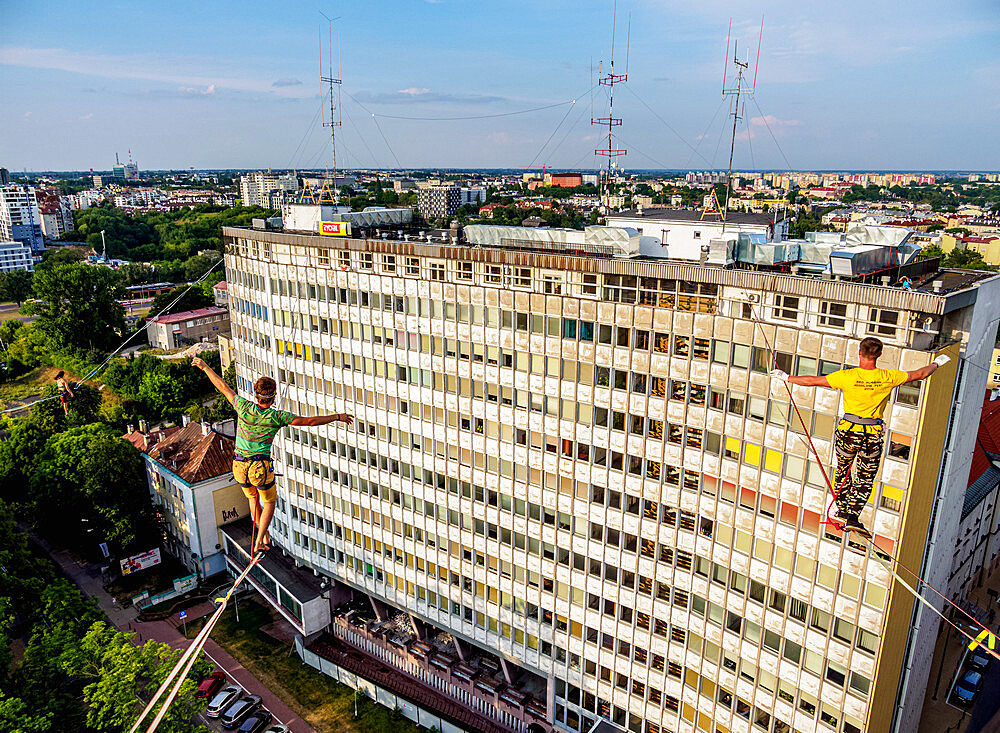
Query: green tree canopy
x=15 y=286
x=91 y=473
x=79 y=306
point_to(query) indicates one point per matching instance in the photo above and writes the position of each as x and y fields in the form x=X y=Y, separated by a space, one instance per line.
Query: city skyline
x=837 y=89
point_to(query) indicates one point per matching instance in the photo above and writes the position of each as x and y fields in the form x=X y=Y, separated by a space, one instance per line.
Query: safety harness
x=265 y=461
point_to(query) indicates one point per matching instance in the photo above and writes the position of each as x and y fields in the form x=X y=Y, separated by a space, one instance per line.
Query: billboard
x=334 y=228
x=141 y=561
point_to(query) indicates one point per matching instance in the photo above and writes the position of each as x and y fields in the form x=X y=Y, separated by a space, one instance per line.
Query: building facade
x=255 y=188
x=189 y=471
x=439 y=201
x=15 y=256
x=183 y=329
x=575 y=464
x=20 y=219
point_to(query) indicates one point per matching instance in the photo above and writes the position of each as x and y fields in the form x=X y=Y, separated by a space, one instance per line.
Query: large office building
x=569 y=500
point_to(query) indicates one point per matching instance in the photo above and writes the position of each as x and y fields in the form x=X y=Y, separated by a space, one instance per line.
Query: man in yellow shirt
x=861 y=432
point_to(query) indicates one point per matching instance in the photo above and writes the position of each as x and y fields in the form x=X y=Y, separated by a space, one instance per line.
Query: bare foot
x=263 y=543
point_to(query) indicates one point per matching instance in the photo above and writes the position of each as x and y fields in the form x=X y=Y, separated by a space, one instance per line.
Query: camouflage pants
x=861 y=451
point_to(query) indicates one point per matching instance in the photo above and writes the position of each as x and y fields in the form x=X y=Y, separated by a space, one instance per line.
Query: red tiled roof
x=194 y=456
x=188 y=315
x=139 y=440
x=221 y=286
x=988 y=439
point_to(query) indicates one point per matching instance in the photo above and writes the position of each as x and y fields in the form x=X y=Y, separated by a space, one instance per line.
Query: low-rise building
x=189 y=472
x=226 y=352
x=180 y=329
x=220 y=294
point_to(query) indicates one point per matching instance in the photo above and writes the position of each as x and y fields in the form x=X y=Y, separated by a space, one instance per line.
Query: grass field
x=325 y=704
x=30 y=384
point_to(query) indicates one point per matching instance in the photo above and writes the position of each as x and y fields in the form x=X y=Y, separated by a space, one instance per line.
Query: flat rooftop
x=732 y=217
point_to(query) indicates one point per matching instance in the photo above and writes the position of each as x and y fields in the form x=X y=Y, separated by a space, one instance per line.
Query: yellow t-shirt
x=865 y=390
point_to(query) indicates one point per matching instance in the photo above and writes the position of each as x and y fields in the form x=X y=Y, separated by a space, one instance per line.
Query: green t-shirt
x=257 y=426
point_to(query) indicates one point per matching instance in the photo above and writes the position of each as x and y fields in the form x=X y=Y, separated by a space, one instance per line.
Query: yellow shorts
x=256 y=476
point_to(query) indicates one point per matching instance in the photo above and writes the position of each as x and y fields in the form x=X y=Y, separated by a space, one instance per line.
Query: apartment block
x=15 y=256
x=568 y=497
x=256 y=188
x=19 y=216
x=439 y=201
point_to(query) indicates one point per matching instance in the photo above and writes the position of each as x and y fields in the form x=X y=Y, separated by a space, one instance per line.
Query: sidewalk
x=167 y=632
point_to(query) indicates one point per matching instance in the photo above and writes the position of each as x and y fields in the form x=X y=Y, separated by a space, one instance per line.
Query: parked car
x=223 y=700
x=279 y=728
x=256 y=722
x=211 y=684
x=978 y=661
x=968 y=687
x=239 y=710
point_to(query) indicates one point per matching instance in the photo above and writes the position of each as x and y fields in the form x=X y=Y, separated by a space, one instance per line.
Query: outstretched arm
x=216 y=380
x=810 y=381
x=923 y=372
x=323 y=420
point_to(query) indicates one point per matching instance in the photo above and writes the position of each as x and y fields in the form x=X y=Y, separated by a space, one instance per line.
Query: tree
x=196 y=297
x=79 y=306
x=137 y=273
x=113 y=672
x=15 y=285
x=198 y=265
x=91 y=473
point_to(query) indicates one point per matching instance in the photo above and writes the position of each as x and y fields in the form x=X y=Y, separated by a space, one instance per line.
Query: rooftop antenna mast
x=332 y=81
x=611 y=122
x=736 y=91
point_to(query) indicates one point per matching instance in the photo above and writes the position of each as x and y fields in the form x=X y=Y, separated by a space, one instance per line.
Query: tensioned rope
x=187 y=660
x=986 y=633
x=124 y=343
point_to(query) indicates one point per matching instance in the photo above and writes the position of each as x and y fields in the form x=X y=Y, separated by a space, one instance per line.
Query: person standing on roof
x=65 y=391
x=256 y=425
x=861 y=432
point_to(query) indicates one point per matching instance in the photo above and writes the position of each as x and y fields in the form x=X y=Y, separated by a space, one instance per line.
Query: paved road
x=88 y=578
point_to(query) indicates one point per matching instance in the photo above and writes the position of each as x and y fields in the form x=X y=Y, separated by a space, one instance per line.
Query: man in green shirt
x=256 y=425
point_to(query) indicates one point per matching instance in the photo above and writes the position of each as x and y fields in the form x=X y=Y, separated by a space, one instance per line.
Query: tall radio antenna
x=611 y=122
x=334 y=121
x=736 y=90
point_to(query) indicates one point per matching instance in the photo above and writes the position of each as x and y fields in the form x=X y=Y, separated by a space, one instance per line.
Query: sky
x=842 y=85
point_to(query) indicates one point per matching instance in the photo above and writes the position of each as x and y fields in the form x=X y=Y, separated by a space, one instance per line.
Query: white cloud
x=415 y=91
x=757 y=126
x=87 y=116
x=206 y=74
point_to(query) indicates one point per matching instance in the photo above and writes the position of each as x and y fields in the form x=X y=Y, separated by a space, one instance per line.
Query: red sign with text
x=333 y=228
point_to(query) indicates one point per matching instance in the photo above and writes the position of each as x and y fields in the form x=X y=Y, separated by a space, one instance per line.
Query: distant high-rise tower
x=19 y=217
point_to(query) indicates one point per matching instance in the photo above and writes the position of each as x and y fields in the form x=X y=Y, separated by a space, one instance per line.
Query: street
x=88 y=579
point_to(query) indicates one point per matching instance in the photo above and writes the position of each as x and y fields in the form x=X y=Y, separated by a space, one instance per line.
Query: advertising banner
x=334 y=228
x=141 y=561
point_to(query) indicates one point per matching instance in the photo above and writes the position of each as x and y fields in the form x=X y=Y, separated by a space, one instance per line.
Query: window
x=833 y=315
x=413 y=266
x=899 y=446
x=463 y=271
x=786 y=307
x=883 y=322
x=521 y=277
x=437 y=271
